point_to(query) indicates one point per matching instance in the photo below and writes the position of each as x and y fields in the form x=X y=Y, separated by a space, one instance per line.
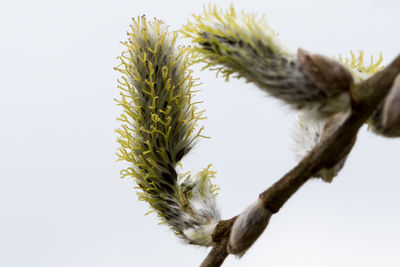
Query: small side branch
x=367 y=96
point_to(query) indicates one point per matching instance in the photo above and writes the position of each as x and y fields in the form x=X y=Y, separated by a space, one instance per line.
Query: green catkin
x=244 y=46
x=159 y=127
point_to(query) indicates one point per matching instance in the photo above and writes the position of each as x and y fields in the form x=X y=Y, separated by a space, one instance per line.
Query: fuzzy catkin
x=159 y=127
x=246 y=47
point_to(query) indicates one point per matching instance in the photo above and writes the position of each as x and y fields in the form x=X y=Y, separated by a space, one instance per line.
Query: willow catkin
x=159 y=127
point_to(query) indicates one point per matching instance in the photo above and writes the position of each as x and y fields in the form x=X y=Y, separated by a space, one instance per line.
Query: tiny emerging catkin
x=358 y=67
x=248 y=227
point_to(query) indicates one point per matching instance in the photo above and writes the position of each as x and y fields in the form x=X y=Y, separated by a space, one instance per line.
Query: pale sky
x=62 y=202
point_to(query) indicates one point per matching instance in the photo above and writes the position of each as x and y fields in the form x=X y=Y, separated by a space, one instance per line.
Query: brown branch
x=366 y=96
x=219 y=252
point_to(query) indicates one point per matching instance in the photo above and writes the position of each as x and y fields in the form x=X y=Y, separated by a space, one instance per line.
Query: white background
x=61 y=200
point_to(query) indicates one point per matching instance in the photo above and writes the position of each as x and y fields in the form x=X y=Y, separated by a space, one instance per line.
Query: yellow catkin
x=159 y=126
